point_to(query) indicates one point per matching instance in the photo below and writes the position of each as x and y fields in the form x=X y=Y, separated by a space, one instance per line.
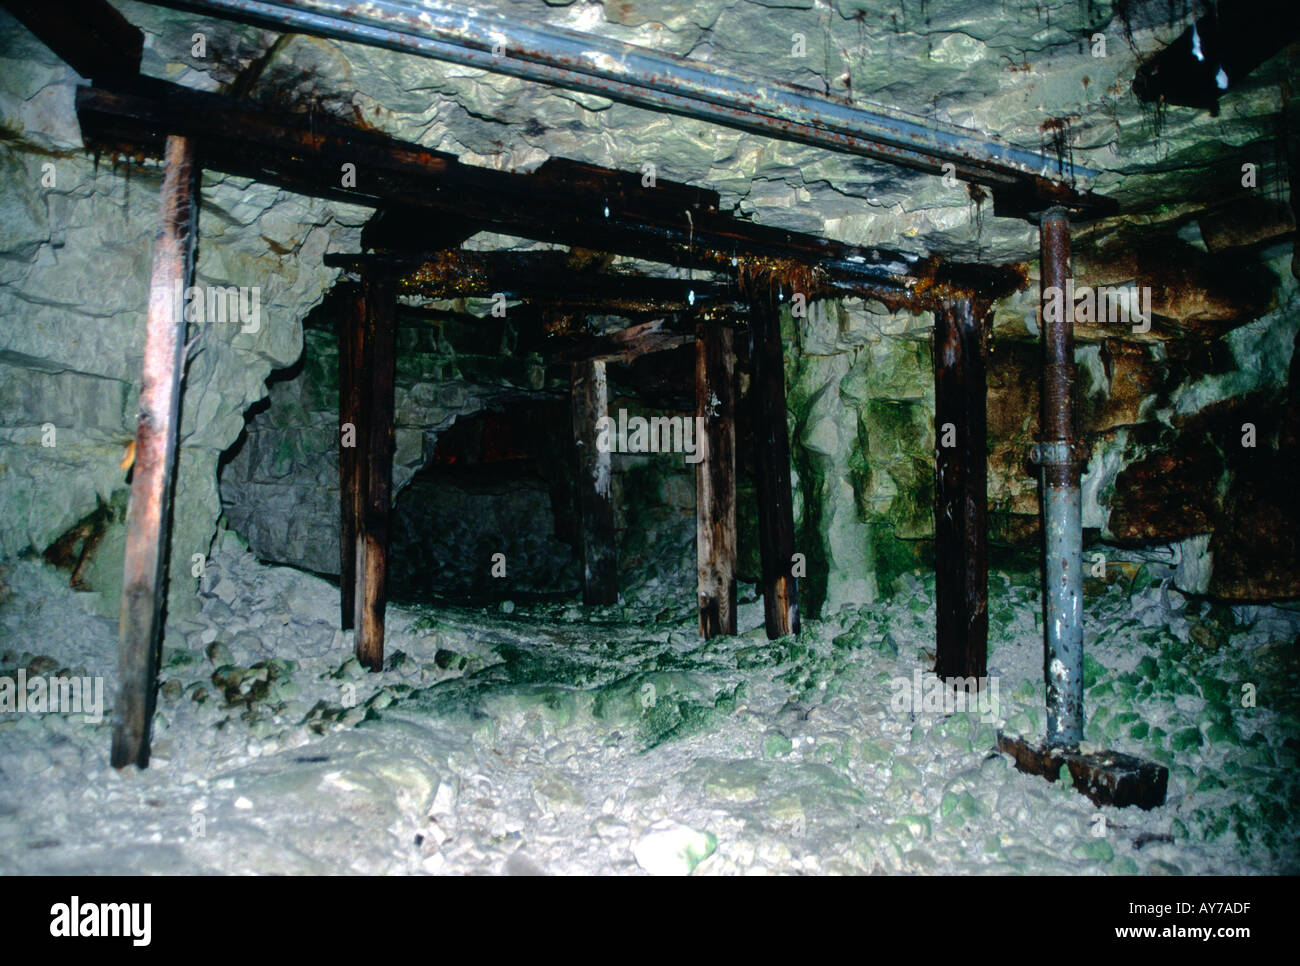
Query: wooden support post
x=144 y=584
x=961 y=491
x=715 y=480
x=351 y=330
x=590 y=396
x=772 y=468
x=1106 y=777
x=377 y=367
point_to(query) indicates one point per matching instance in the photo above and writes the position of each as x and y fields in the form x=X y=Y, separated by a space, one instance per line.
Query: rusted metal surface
x=666 y=82
x=715 y=480
x=1104 y=777
x=1059 y=456
x=1058 y=337
x=961 y=490
x=143 y=582
x=590 y=396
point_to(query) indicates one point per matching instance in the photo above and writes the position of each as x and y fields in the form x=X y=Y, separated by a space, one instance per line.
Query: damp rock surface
x=532 y=738
x=76 y=254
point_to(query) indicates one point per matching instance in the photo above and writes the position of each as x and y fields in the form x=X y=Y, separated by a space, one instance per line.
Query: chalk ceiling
x=1019 y=70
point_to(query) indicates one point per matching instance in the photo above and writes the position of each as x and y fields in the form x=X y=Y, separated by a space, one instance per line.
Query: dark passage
x=479 y=522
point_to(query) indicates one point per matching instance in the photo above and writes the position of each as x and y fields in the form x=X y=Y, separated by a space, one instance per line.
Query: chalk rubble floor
x=556 y=739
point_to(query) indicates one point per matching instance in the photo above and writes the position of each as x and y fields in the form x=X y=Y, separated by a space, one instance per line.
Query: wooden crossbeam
x=411 y=182
x=143 y=582
x=557 y=279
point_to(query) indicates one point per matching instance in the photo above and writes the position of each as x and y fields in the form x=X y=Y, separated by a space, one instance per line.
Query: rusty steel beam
x=661 y=81
x=1106 y=777
x=143 y=581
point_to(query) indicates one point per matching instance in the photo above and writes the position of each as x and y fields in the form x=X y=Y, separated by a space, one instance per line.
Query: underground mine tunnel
x=825 y=436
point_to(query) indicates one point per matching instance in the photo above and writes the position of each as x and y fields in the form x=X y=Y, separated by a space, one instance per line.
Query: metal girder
x=1023 y=181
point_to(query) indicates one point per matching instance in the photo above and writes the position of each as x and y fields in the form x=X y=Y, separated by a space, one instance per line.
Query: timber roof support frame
x=548 y=281
x=562 y=201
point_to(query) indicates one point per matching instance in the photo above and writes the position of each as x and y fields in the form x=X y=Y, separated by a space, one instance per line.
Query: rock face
x=1164 y=409
x=482 y=466
x=861 y=396
x=280 y=486
x=1018 y=69
x=77 y=242
x=1211 y=464
x=1165 y=418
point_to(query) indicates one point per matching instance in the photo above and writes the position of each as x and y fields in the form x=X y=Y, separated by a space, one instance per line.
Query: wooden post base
x=1104 y=777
